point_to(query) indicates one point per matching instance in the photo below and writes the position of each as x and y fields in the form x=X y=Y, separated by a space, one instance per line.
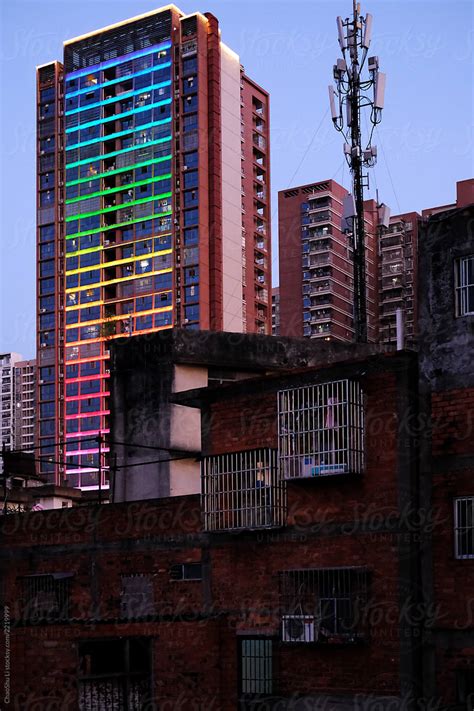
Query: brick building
x=446 y=325
x=285 y=583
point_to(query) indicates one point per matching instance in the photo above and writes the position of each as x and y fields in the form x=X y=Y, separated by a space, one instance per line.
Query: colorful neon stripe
x=128 y=186
x=75 y=435
x=124 y=114
x=73 y=398
x=118 y=317
x=118 y=262
x=112 y=99
x=118 y=224
x=120 y=206
x=118 y=134
x=99 y=376
x=119 y=280
x=111 y=82
x=102 y=156
x=81 y=415
x=117 y=170
x=115 y=62
x=78 y=452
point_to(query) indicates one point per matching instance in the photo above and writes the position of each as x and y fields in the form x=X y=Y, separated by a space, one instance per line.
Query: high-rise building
x=276 y=311
x=316 y=265
x=25 y=409
x=17 y=402
x=398 y=270
x=153 y=210
x=7 y=398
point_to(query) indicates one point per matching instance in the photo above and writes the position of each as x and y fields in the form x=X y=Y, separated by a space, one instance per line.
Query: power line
x=388 y=169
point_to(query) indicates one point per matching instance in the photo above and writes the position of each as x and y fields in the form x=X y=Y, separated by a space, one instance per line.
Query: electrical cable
x=388 y=170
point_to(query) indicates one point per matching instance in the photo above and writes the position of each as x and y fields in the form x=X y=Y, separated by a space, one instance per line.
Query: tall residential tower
x=153 y=211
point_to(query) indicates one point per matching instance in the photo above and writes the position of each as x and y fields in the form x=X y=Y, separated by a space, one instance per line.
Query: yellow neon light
x=118 y=262
x=119 y=280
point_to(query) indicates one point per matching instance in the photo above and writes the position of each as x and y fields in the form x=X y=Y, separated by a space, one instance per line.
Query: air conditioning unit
x=299 y=629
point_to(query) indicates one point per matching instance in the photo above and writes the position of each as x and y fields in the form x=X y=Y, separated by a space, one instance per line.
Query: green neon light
x=118 y=262
x=100 y=248
x=121 y=187
x=119 y=224
x=111 y=82
x=102 y=156
x=124 y=114
x=112 y=99
x=117 y=170
x=112 y=208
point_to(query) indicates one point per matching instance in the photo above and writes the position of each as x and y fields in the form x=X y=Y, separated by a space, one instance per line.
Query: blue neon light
x=120 y=97
x=116 y=153
x=111 y=82
x=114 y=62
x=127 y=113
x=120 y=133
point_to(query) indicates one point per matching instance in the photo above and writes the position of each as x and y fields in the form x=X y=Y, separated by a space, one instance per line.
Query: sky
x=425 y=140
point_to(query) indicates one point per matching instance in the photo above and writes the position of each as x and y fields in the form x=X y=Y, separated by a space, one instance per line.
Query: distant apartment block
x=398 y=277
x=17 y=402
x=276 y=311
x=316 y=264
x=25 y=399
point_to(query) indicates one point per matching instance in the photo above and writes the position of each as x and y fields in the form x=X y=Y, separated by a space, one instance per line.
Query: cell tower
x=352 y=96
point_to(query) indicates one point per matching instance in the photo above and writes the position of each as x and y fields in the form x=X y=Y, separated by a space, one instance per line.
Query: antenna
x=352 y=90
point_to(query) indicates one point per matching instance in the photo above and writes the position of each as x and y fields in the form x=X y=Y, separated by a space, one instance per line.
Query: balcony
x=242 y=490
x=321 y=430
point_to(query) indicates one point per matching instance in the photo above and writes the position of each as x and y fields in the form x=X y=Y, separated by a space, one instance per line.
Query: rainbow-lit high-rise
x=153 y=211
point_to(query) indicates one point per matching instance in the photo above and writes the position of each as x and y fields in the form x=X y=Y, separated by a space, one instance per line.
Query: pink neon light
x=88 y=414
x=87 y=377
x=87 y=397
x=75 y=435
x=86 y=451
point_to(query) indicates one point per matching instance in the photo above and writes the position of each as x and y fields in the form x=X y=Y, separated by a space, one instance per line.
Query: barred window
x=115 y=674
x=256 y=678
x=324 y=604
x=464 y=271
x=242 y=490
x=46 y=597
x=464 y=527
x=321 y=429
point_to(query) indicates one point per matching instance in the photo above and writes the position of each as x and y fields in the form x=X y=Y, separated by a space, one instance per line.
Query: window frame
x=461 y=289
x=457 y=528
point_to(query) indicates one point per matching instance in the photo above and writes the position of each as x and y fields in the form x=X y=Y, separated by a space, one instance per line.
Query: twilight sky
x=425 y=140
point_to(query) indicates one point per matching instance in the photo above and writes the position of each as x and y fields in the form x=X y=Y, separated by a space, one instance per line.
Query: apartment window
x=46 y=597
x=136 y=597
x=464 y=527
x=115 y=674
x=256 y=669
x=464 y=286
x=186 y=571
x=321 y=429
x=242 y=490
x=324 y=605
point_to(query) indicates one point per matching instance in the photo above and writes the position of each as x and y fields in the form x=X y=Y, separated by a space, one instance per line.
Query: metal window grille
x=137 y=598
x=115 y=675
x=242 y=490
x=464 y=527
x=321 y=429
x=256 y=669
x=465 y=286
x=325 y=604
x=46 y=597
